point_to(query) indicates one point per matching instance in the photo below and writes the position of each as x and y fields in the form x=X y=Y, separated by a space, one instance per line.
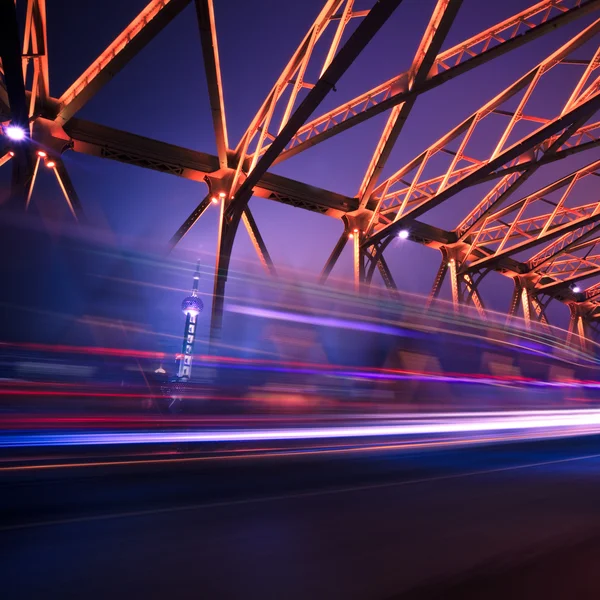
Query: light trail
x=577 y=422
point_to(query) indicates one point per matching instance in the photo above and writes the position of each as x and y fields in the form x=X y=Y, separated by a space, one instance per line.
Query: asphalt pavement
x=513 y=520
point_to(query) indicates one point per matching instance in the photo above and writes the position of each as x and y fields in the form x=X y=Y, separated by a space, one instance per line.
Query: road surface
x=514 y=520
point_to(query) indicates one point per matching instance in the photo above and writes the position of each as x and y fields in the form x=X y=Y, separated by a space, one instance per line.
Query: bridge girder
x=236 y=174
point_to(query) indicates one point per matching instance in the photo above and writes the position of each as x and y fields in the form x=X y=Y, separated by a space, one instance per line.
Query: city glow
x=14 y=132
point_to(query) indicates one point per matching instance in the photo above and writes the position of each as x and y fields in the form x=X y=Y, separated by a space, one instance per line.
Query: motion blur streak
x=579 y=422
x=252 y=454
x=311 y=320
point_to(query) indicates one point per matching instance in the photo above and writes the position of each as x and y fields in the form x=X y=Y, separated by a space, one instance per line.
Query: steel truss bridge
x=560 y=233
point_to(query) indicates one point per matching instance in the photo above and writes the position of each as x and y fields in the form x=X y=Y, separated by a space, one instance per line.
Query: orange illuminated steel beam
x=592 y=292
x=262 y=119
x=149 y=22
x=474 y=296
x=528 y=147
x=4 y=158
x=355 y=44
x=526 y=305
x=353 y=47
x=566 y=244
x=35 y=50
x=4 y=105
x=574 y=267
x=454 y=284
x=527 y=82
x=548 y=235
x=335 y=255
x=543 y=17
x=31 y=182
x=210 y=52
x=539 y=311
x=573 y=230
x=258 y=242
x=357 y=261
x=386 y=274
x=533 y=226
x=582 y=139
x=106 y=142
x=249 y=222
x=576 y=328
x=545 y=263
x=190 y=221
x=67 y=188
x=511 y=182
x=527 y=227
x=292 y=78
x=12 y=76
x=441 y=20
x=488 y=171
x=570 y=271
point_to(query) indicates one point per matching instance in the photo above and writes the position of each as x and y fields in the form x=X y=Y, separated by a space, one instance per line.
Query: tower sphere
x=192 y=305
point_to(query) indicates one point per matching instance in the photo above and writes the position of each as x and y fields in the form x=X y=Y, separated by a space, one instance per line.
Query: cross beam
x=505 y=36
x=141 y=31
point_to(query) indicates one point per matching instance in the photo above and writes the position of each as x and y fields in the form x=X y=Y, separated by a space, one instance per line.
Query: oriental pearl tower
x=191 y=306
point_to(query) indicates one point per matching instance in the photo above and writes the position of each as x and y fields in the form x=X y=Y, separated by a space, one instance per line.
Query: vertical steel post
x=454 y=283
x=581 y=333
x=359 y=266
x=225 y=239
x=357 y=260
x=439 y=280
x=526 y=307
x=572 y=323
x=334 y=256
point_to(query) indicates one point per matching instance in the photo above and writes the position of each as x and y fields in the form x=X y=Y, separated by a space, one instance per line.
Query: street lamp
x=14 y=132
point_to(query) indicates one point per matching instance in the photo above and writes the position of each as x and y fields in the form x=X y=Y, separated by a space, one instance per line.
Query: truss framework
x=557 y=222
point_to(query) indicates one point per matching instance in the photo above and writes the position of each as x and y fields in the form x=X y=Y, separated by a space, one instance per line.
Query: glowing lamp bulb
x=576 y=289
x=403 y=234
x=214 y=200
x=50 y=164
x=42 y=154
x=14 y=132
x=222 y=195
x=350 y=236
x=11 y=152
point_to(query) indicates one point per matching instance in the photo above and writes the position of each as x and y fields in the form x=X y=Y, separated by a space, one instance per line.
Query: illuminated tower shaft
x=185 y=364
x=192 y=306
